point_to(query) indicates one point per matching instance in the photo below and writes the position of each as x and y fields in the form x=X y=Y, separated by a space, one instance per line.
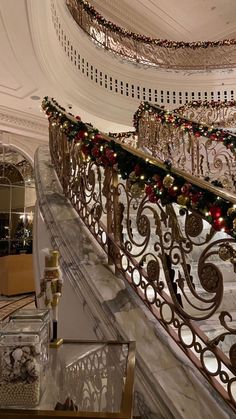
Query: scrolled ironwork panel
x=97 y=379
x=202 y=157
x=218 y=114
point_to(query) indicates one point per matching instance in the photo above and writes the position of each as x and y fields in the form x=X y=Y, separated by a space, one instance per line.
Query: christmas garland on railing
x=143 y=38
x=186 y=125
x=160 y=184
x=213 y=104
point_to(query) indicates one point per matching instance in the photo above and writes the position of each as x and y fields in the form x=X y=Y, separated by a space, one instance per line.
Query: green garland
x=160 y=185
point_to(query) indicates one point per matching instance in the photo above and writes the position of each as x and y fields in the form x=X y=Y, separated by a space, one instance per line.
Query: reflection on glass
x=17 y=200
x=92 y=375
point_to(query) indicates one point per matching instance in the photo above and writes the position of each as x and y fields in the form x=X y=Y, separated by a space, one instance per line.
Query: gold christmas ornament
x=231 y=211
x=182 y=200
x=168 y=181
x=136 y=190
x=234 y=223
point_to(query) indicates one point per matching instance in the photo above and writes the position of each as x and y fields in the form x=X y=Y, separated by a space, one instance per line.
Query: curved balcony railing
x=170 y=234
x=218 y=114
x=204 y=151
x=148 y=51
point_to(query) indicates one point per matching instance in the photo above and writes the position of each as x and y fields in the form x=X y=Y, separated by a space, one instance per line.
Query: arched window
x=17 y=200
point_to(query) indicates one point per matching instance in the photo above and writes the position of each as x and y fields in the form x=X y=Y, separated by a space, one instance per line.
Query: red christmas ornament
x=197 y=134
x=215 y=211
x=80 y=135
x=78 y=118
x=219 y=224
x=110 y=156
x=172 y=191
x=97 y=137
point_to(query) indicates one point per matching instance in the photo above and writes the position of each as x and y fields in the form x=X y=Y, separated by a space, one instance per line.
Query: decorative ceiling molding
x=23 y=123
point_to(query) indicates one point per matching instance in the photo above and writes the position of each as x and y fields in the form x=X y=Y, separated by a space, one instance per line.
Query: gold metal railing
x=181 y=267
x=218 y=114
x=204 y=151
x=152 y=52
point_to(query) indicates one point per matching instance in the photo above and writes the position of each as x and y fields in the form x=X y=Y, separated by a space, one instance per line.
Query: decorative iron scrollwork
x=193 y=225
x=153 y=270
x=210 y=277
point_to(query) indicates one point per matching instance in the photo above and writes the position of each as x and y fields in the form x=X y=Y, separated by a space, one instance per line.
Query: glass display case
x=23 y=361
x=90 y=379
x=32 y=315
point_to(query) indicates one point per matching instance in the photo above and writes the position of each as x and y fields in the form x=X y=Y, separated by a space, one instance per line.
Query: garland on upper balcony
x=165 y=43
x=160 y=185
x=177 y=121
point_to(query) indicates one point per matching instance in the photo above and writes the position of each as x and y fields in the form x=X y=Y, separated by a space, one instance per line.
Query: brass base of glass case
x=56 y=343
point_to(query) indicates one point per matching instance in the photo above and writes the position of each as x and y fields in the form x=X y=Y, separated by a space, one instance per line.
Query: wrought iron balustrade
x=97 y=379
x=218 y=114
x=157 y=53
x=189 y=145
x=181 y=267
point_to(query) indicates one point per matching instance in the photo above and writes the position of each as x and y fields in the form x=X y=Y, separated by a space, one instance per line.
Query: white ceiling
x=182 y=20
x=24 y=78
